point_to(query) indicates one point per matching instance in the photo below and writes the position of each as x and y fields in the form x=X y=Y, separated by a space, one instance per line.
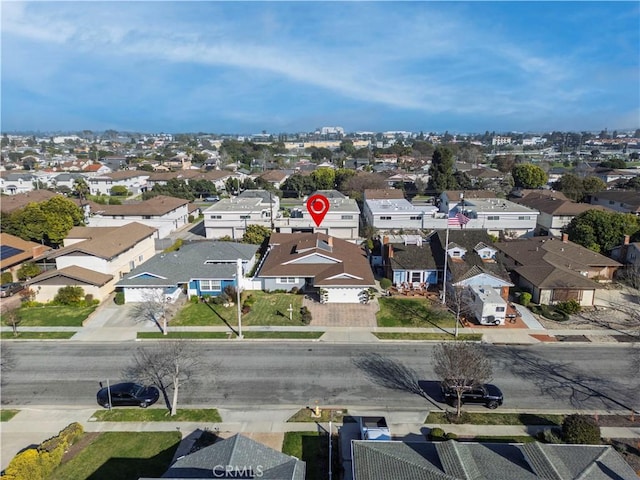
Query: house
x=197 y=268
x=135 y=181
x=163 y=213
x=387 y=210
x=46 y=285
x=236 y=457
x=452 y=460
x=556 y=270
x=410 y=261
x=315 y=262
x=628 y=253
x=618 y=200
x=555 y=211
x=110 y=251
x=231 y=216
x=12 y=183
x=15 y=251
x=10 y=204
x=341 y=220
x=274 y=177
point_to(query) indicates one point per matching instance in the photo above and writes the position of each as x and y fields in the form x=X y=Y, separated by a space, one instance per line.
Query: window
x=524 y=217
x=347 y=217
x=288 y=280
x=385 y=218
x=132 y=265
x=146 y=217
x=493 y=217
x=211 y=285
x=245 y=217
x=415 y=218
x=499 y=309
x=140 y=258
x=415 y=277
x=216 y=217
x=612 y=202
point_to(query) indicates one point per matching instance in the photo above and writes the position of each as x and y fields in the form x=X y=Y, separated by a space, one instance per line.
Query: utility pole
x=238 y=277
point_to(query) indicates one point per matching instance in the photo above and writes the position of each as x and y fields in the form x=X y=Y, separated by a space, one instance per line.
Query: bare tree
x=154 y=307
x=459 y=302
x=461 y=366
x=12 y=320
x=169 y=365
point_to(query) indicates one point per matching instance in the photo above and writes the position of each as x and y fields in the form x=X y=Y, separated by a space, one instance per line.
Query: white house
x=135 y=182
x=231 y=216
x=388 y=210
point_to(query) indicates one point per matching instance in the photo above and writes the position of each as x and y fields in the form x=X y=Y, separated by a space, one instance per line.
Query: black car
x=486 y=394
x=128 y=394
x=8 y=289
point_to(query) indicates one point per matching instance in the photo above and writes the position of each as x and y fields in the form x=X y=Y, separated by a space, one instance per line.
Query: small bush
x=569 y=307
x=190 y=218
x=6 y=277
x=119 y=298
x=385 y=283
x=525 y=299
x=88 y=299
x=305 y=315
x=194 y=299
x=231 y=291
x=580 y=429
x=451 y=436
x=69 y=295
x=246 y=309
x=550 y=435
x=437 y=434
x=295 y=290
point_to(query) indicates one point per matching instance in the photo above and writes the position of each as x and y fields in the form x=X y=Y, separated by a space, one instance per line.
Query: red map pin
x=318 y=206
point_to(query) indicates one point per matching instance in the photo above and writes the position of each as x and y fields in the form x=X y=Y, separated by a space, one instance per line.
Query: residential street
x=551 y=377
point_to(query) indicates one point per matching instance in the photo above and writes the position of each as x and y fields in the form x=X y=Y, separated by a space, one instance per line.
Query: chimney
x=565 y=238
x=330 y=240
x=626 y=240
x=385 y=240
x=390 y=251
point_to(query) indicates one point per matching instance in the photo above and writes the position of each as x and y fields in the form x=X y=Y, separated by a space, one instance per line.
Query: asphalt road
x=386 y=375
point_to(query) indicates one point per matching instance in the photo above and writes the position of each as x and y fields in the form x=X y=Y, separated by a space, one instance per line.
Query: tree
x=504 y=163
x=526 y=175
x=168 y=365
x=580 y=429
x=571 y=186
x=600 y=231
x=11 y=319
x=119 y=191
x=81 y=188
x=459 y=302
x=357 y=184
x=324 y=178
x=613 y=163
x=256 y=234
x=154 y=307
x=461 y=366
x=593 y=185
x=28 y=270
x=441 y=170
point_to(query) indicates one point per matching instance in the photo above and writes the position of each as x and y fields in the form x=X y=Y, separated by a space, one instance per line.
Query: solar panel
x=7 y=251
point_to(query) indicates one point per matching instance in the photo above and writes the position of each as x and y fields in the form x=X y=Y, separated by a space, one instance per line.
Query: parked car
x=486 y=394
x=8 y=289
x=128 y=394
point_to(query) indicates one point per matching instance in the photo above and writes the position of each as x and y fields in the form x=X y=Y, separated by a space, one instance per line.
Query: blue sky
x=244 y=67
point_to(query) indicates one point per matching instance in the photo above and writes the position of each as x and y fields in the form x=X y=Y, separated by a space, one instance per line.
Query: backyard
x=268 y=309
x=412 y=312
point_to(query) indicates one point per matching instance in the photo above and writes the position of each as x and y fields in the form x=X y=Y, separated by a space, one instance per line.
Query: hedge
x=38 y=463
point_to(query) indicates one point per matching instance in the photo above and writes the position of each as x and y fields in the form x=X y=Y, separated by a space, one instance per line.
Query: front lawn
x=53 y=316
x=6 y=415
x=326 y=415
x=122 y=455
x=268 y=309
x=157 y=415
x=474 y=418
x=412 y=312
x=37 y=335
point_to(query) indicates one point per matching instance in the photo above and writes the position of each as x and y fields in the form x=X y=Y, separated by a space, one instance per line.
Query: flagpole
x=446 y=257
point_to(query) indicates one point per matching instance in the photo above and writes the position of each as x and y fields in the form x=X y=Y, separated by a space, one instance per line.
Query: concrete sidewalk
x=32 y=425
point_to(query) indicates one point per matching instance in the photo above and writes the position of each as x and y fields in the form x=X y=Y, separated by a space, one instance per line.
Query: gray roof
x=265 y=196
x=240 y=452
x=453 y=460
x=181 y=266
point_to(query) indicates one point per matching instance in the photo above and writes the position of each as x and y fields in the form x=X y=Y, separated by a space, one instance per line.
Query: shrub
x=176 y=246
x=569 y=307
x=385 y=283
x=451 y=436
x=194 y=299
x=88 y=299
x=190 y=218
x=231 y=291
x=69 y=295
x=305 y=315
x=437 y=434
x=119 y=298
x=525 y=299
x=246 y=309
x=550 y=435
x=580 y=429
x=295 y=290
x=6 y=277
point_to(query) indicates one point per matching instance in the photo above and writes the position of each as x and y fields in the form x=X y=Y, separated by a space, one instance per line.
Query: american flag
x=459 y=219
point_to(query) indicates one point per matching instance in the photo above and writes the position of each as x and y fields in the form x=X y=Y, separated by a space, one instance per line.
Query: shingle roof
x=11 y=203
x=75 y=273
x=159 y=205
x=383 y=193
x=242 y=453
x=556 y=206
x=330 y=261
x=109 y=244
x=453 y=460
x=189 y=263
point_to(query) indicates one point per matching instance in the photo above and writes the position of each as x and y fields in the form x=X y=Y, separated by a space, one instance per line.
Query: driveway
x=342 y=314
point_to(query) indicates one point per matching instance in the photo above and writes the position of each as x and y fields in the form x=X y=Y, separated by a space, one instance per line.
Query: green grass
x=157 y=415
x=285 y=335
x=268 y=309
x=37 y=335
x=195 y=335
x=474 y=418
x=6 y=415
x=312 y=448
x=305 y=415
x=122 y=455
x=54 y=316
x=412 y=312
x=501 y=439
x=467 y=337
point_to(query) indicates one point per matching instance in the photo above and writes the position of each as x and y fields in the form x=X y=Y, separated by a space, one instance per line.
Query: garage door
x=344 y=295
x=564 y=294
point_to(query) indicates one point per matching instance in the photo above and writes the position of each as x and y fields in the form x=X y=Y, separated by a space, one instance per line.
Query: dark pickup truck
x=486 y=394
